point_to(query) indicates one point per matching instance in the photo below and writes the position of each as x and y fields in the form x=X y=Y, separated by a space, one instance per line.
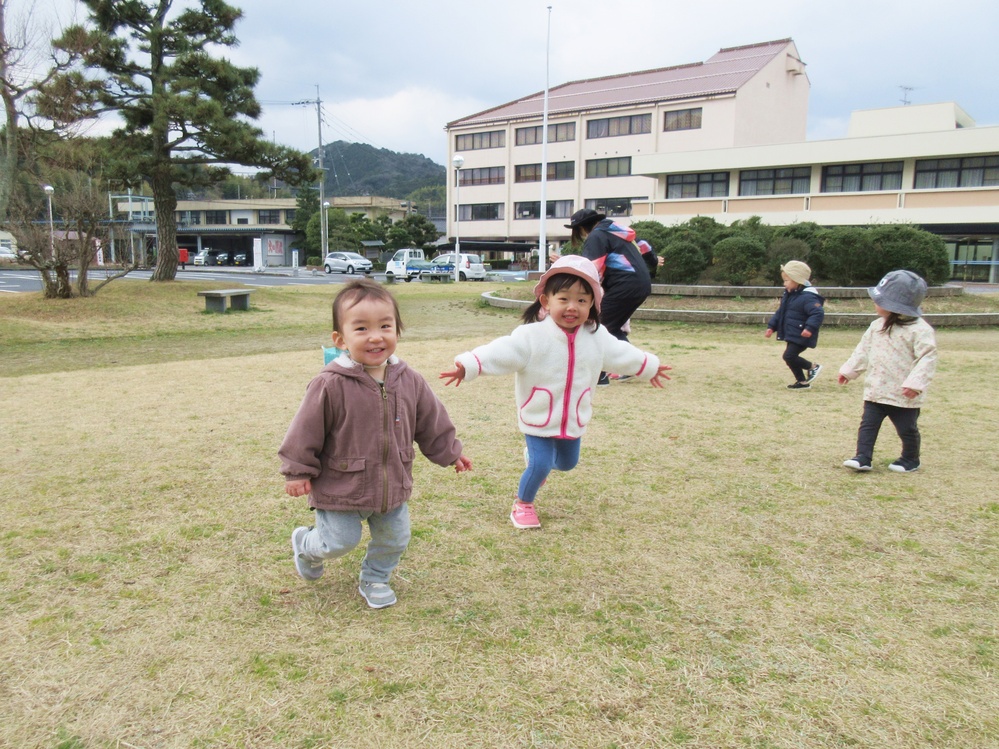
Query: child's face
x=788 y=283
x=882 y=312
x=369 y=332
x=570 y=307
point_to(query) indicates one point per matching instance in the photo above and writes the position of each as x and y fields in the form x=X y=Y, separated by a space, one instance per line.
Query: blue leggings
x=545 y=454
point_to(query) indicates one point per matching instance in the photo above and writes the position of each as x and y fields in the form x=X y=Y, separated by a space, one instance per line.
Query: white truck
x=406 y=264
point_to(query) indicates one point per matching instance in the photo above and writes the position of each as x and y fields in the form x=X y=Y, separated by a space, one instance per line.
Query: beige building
x=726 y=139
x=928 y=166
x=741 y=97
x=233 y=225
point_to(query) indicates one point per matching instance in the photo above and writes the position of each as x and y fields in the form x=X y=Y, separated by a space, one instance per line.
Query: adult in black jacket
x=624 y=275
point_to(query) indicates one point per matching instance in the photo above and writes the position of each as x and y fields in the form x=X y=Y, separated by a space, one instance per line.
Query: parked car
x=469 y=266
x=239 y=258
x=7 y=255
x=346 y=262
x=220 y=258
x=201 y=258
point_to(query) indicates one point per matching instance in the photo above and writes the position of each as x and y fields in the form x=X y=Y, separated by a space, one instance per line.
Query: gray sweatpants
x=337 y=533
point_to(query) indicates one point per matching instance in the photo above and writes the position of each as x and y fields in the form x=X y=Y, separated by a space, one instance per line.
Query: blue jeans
x=337 y=533
x=545 y=454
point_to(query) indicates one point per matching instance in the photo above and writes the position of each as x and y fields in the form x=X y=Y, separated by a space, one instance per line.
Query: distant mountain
x=360 y=169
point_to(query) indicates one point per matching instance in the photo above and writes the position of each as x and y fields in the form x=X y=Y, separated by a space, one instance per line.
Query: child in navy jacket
x=797 y=321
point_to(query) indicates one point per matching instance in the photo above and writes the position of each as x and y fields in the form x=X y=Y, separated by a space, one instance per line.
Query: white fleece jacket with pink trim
x=556 y=372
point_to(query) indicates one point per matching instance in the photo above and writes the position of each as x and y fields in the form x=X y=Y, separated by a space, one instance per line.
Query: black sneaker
x=604 y=381
x=798 y=386
x=814 y=372
x=904 y=466
x=858 y=464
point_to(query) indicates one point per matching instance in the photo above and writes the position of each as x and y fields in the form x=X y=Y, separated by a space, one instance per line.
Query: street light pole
x=324 y=229
x=458 y=162
x=48 y=194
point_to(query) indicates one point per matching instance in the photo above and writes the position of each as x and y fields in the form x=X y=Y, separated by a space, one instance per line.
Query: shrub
x=781 y=250
x=685 y=261
x=739 y=258
x=846 y=256
x=907 y=248
x=314 y=260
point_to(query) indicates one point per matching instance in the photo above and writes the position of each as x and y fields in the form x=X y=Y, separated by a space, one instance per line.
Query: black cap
x=584 y=216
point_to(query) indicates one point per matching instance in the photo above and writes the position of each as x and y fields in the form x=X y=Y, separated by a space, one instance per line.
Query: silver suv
x=469 y=266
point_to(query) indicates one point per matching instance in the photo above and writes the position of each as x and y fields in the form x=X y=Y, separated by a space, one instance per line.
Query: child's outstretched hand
x=657 y=380
x=806 y=333
x=842 y=380
x=462 y=464
x=455 y=375
x=298 y=488
x=769 y=333
x=910 y=393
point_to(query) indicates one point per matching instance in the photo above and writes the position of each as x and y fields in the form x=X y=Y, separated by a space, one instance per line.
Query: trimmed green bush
x=739 y=258
x=685 y=261
x=781 y=250
x=314 y=260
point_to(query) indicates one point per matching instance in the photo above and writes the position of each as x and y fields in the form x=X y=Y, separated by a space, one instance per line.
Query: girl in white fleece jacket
x=556 y=360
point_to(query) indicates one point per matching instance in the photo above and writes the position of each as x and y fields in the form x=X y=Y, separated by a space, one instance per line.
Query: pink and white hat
x=574 y=265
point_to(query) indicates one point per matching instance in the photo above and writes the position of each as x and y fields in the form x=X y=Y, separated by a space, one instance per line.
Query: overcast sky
x=391 y=74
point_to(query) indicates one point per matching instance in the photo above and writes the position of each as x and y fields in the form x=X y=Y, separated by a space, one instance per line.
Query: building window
x=216 y=217
x=189 y=218
x=556 y=170
x=612 y=206
x=682 y=119
x=877 y=175
x=289 y=216
x=481 y=212
x=532 y=209
x=974 y=171
x=620 y=167
x=706 y=185
x=790 y=181
x=529 y=136
x=490 y=175
x=478 y=141
x=268 y=217
x=611 y=127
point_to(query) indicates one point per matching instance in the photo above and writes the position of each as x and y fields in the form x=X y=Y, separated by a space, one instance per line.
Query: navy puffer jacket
x=799 y=310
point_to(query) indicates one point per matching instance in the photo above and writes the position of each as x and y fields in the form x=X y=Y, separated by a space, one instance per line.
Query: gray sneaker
x=306 y=569
x=378 y=595
x=814 y=372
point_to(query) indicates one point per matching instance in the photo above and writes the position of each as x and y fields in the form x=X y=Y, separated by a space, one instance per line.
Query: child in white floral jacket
x=899 y=354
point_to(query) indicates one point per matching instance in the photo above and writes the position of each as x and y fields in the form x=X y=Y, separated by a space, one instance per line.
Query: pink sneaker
x=523 y=515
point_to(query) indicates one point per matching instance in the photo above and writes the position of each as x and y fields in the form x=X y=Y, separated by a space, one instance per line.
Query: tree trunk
x=165 y=201
x=8 y=138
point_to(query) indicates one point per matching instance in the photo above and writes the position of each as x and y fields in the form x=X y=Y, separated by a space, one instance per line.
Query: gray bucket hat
x=900 y=291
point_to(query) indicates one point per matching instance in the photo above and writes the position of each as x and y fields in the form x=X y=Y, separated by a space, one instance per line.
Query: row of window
x=605 y=127
x=930 y=174
x=531 y=209
x=557 y=170
x=194 y=218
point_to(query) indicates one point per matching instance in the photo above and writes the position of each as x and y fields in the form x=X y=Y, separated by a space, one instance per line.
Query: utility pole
x=323 y=226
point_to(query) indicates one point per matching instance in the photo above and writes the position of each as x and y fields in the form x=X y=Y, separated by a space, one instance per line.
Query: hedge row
x=703 y=251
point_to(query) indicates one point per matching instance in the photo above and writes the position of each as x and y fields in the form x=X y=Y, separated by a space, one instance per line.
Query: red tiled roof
x=723 y=73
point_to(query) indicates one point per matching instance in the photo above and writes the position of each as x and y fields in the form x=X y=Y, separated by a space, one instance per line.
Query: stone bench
x=442 y=276
x=215 y=301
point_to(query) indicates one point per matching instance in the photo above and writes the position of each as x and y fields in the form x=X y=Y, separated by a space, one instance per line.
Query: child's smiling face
x=568 y=307
x=369 y=333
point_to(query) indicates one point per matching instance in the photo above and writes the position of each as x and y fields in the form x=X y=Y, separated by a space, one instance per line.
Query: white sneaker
x=306 y=569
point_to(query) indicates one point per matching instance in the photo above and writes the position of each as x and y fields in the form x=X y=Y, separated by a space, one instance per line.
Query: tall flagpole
x=542 y=235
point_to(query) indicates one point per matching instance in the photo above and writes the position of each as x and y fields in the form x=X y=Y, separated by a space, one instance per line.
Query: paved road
x=19 y=280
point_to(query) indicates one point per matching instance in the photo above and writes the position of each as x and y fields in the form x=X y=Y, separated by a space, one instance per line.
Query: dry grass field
x=709 y=576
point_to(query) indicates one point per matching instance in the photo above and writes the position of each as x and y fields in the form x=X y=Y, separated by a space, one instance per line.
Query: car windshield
x=474 y=259
x=353 y=256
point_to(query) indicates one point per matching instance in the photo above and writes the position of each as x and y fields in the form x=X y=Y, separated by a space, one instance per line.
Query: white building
x=741 y=97
x=726 y=139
